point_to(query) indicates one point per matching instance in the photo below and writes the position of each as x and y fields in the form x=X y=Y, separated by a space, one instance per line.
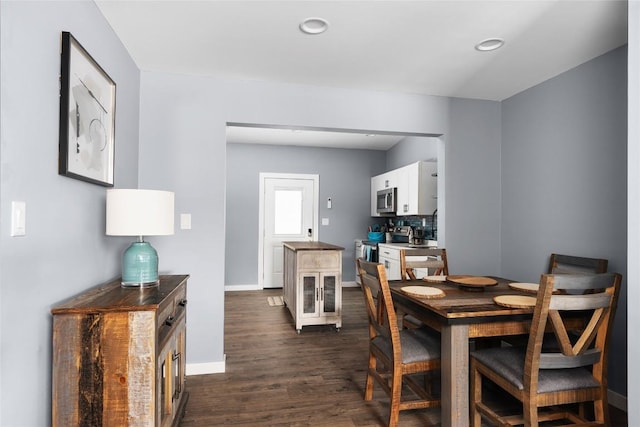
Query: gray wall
x=65 y=250
x=633 y=200
x=411 y=149
x=344 y=176
x=472 y=173
x=564 y=178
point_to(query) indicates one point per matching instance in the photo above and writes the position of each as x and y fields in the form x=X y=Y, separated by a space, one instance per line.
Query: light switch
x=185 y=221
x=18 y=218
x=325 y=221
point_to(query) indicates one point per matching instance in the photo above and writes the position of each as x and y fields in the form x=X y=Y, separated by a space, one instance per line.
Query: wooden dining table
x=462 y=314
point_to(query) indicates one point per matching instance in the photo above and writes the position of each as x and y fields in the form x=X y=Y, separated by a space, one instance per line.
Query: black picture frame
x=87 y=116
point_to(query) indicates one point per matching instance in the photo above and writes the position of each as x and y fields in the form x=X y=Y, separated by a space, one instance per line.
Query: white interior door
x=288 y=205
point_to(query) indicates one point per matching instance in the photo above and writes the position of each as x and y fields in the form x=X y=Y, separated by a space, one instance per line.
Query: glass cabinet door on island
x=319 y=294
x=310 y=292
x=329 y=294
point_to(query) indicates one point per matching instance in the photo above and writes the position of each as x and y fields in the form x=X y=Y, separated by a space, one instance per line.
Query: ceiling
x=419 y=47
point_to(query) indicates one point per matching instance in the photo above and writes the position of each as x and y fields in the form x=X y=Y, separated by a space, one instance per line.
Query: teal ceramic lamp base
x=140 y=266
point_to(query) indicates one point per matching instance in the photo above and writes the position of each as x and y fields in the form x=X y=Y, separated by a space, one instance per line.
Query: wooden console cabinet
x=119 y=356
x=313 y=283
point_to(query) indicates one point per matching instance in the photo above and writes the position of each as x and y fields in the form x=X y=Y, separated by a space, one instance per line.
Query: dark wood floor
x=275 y=377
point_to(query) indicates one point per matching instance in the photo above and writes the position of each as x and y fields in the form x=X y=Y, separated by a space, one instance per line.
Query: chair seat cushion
x=417 y=345
x=549 y=341
x=412 y=320
x=508 y=362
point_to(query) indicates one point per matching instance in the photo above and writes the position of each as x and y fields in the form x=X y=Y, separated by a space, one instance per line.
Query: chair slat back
x=569 y=264
x=432 y=259
x=382 y=314
x=590 y=347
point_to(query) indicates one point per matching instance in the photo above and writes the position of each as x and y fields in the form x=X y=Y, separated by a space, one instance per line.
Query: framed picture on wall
x=87 y=116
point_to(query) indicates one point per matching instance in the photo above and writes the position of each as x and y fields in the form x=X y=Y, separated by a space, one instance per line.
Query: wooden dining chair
x=396 y=356
x=569 y=264
x=564 y=264
x=547 y=381
x=432 y=260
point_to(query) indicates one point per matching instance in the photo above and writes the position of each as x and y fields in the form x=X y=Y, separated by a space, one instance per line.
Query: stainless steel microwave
x=386 y=201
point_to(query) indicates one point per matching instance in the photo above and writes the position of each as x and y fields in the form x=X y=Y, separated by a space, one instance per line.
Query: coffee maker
x=418 y=236
x=414 y=236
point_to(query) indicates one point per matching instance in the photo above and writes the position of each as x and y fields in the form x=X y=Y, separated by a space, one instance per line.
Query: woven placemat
x=434 y=278
x=515 y=301
x=472 y=281
x=531 y=288
x=423 y=291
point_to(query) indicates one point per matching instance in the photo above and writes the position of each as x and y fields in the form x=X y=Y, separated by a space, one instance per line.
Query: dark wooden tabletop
x=460 y=304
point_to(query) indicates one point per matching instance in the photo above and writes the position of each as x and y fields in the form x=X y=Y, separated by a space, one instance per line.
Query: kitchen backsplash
x=428 y=223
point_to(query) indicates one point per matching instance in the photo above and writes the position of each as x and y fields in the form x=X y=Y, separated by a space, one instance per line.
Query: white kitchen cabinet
x=389 y=257
x=417 y=188
x=313 y=283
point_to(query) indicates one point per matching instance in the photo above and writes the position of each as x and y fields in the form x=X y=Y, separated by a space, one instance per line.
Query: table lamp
x=132 y=212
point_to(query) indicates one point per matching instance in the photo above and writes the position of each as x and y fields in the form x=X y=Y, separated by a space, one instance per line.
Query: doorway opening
x=346 y=160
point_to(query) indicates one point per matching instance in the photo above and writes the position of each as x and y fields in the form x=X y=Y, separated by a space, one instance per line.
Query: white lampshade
x=132 y=212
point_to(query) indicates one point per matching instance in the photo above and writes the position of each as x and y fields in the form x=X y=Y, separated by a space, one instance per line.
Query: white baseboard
x=250 y=287
x=206 y=368
x=255 y=287
x=617 y=400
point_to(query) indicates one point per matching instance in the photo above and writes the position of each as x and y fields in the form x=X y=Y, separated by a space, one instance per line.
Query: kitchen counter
x=312 y=246
x=389 y=256
x=407 y=245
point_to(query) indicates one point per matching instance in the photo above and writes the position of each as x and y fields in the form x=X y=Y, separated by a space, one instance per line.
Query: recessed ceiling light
x=314 y=26
x=489 y=44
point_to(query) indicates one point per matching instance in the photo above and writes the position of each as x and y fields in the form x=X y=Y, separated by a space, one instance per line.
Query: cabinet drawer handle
x=170 y=320
x=178 y=357
x=182 y=302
